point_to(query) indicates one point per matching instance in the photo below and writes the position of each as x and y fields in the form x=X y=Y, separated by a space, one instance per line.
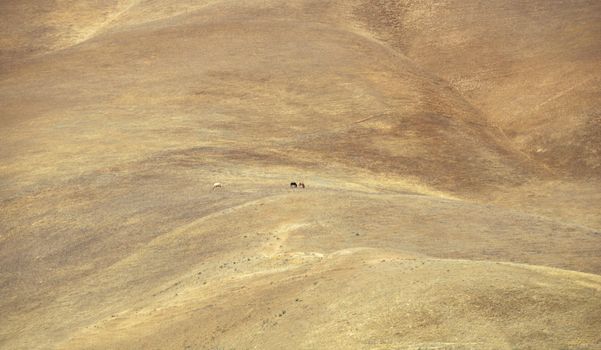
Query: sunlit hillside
x=451 y=152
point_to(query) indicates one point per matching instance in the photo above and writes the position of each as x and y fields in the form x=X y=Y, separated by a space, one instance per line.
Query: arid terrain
x=451 y=152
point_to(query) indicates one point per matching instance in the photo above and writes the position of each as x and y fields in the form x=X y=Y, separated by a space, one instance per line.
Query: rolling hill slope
x=450 y=152
x=531 y=68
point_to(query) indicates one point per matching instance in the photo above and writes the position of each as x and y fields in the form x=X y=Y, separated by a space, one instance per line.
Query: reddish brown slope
x=531 y=67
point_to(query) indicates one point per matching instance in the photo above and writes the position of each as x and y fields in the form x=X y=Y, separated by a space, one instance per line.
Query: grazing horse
x=217 y=185
x=301 y=184
x=293 y=185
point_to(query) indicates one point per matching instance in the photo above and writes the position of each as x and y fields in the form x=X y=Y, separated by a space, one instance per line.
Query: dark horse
x=293 y=185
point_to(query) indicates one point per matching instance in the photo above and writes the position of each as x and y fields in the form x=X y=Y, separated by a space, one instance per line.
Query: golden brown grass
x=450 y=152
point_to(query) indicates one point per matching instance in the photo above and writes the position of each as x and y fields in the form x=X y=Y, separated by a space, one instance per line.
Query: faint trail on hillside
x=368 y=118
x=110 y=19
x=564 y=92
x=585 y=279
x=335 y=130
x=195 y=7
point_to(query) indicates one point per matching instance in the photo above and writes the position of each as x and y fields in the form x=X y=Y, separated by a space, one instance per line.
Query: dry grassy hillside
x=450 y=151
x=532 y=68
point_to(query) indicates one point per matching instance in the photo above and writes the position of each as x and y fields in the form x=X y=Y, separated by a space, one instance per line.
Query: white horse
x=217 y=185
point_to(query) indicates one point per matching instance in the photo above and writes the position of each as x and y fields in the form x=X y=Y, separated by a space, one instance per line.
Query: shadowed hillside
x=450 y=151
x=531 y=68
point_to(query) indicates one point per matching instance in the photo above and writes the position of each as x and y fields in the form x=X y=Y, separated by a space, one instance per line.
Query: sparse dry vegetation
x=451 y=152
